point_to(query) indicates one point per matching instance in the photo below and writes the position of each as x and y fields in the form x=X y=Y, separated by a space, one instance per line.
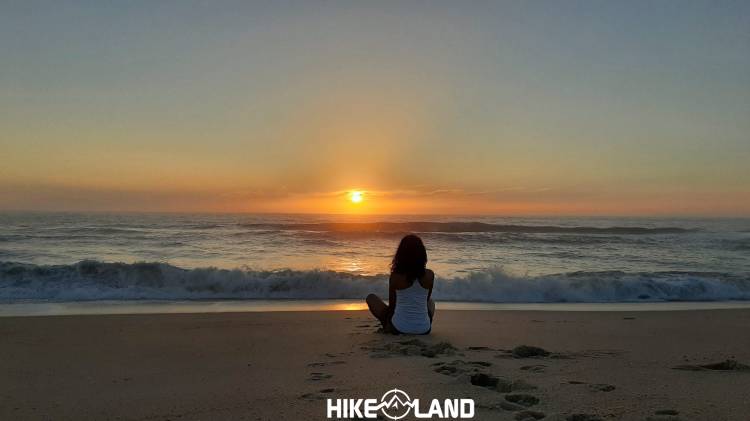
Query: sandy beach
x=283 y=365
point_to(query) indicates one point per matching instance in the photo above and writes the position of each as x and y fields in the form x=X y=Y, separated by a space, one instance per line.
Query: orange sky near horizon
x=517 y=202
x=493 y=109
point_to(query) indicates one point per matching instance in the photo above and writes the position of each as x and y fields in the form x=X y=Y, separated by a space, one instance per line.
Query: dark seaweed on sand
x=728 y=365
x=528 y=351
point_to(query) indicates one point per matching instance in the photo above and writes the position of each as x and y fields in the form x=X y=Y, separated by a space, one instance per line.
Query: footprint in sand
x=601 y=387
x=526 y=351
x=340 y=354
x=529 y=415
x=499 y=384
x=491 y=382
x=522 y=399
x=663 y=418
x=409 y=347
x=510 y=406
x=319 y=396
x=535 y=368
x=582 y=417
x=325 y=364
x=665 y=415
x=666 y=412
x=595 y=387
x=504 y=405
x=458 y=367
x=319 y=376
x=479 y=348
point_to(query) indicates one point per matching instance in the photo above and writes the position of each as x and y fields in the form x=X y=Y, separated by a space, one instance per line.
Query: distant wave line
x=462 y=227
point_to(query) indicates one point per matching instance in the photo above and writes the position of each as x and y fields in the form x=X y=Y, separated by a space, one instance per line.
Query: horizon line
x=480 y=215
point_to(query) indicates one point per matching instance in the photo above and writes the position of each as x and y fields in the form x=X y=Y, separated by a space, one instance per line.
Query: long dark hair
x=410 y=258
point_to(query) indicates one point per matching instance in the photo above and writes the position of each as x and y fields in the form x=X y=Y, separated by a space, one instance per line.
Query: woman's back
x=410 y=308
x=411 y=313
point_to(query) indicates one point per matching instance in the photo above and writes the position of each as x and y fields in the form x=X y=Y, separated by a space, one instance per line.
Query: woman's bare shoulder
x=397 y=280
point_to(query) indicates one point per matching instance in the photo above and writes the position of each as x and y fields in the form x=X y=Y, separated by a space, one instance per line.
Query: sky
x=426 y=107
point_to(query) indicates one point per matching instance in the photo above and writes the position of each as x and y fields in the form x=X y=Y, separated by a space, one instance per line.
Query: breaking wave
x=94 y=280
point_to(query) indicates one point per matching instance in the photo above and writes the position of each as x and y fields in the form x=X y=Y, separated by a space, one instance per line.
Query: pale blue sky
x=581 y=107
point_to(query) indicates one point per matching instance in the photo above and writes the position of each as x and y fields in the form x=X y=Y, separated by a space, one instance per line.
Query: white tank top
x=411 y=314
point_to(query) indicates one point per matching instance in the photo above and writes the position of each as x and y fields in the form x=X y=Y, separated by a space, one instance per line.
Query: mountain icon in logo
x=395 y=404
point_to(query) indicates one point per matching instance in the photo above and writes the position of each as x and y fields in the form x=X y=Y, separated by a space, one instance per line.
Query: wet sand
x=283 y=365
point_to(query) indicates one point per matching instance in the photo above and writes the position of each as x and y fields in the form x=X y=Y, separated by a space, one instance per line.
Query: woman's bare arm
x=430 y=304
x=391 y=297
x=430 y=283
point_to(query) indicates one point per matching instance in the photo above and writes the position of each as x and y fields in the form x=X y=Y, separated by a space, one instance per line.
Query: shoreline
x=107 y=307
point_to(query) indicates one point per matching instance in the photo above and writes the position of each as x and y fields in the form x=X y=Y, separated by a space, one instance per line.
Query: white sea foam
x=93 y=280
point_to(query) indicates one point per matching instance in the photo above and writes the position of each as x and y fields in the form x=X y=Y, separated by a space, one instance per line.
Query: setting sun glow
x=356 y=196
x=323 y=109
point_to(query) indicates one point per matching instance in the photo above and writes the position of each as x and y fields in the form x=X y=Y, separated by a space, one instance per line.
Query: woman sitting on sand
x=409 y=308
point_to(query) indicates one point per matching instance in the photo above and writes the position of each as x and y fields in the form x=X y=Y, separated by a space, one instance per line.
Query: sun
x=356 y=196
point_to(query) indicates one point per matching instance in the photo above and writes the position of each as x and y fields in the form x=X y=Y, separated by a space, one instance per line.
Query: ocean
x=76 y=257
